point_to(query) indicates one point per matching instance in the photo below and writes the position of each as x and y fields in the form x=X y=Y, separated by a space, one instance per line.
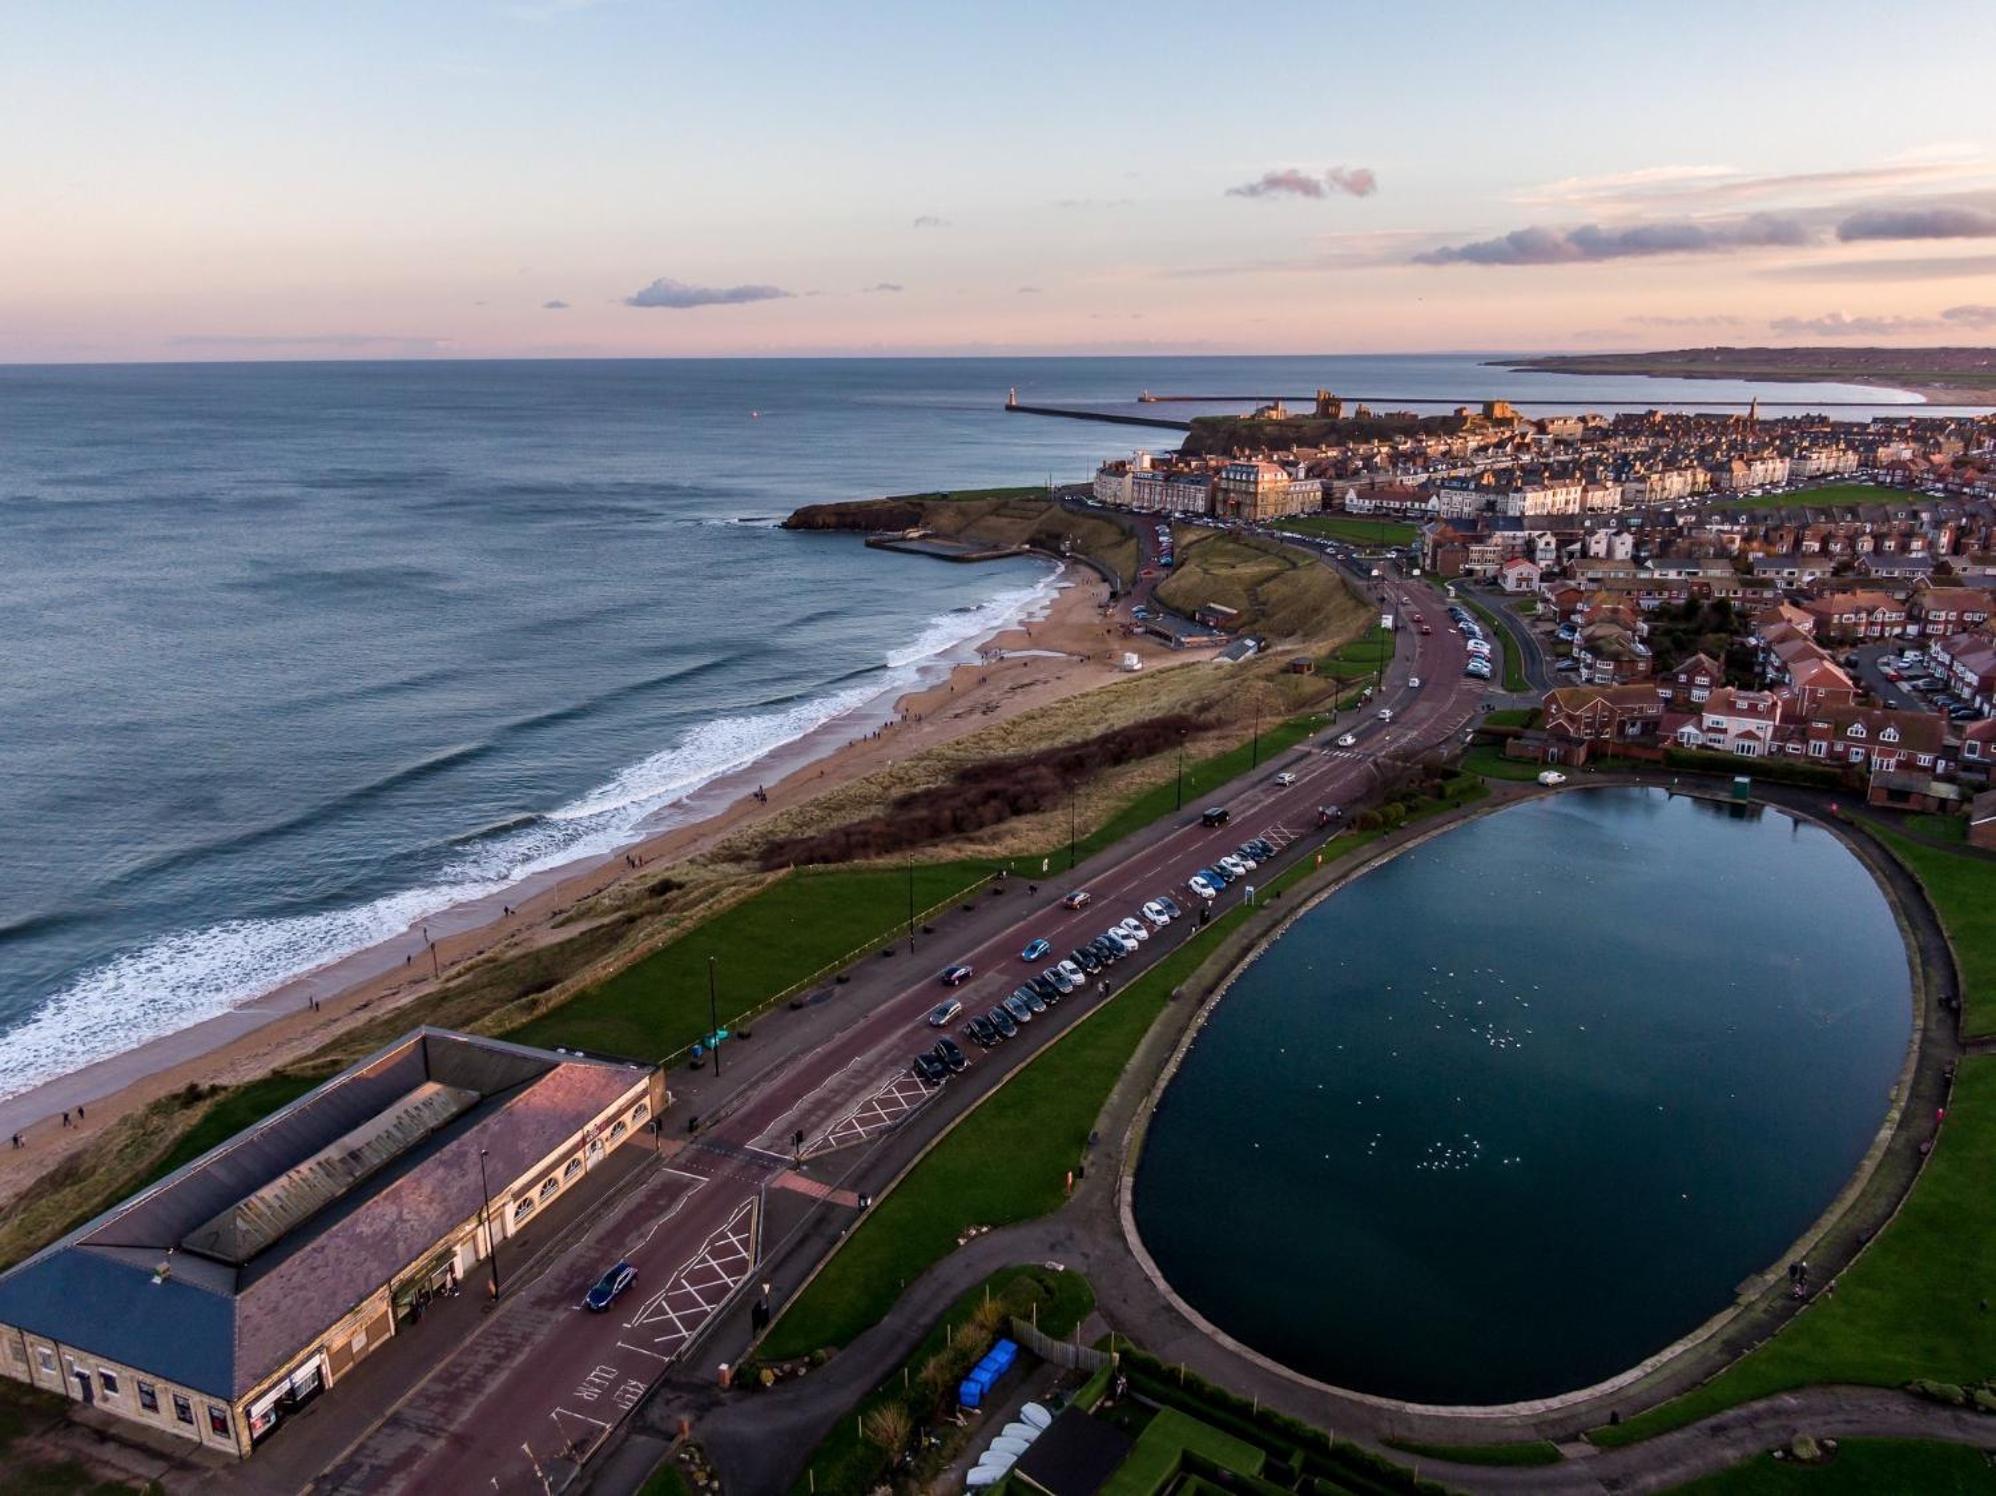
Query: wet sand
x=1072 y=649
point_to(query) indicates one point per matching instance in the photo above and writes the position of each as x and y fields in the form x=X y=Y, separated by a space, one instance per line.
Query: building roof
x=272 y=1237
x=1075 y=1456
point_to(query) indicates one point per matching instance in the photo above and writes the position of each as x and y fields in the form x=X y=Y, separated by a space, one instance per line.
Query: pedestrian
x=17 y=1143
x=79 y=1114
x=65 y=1119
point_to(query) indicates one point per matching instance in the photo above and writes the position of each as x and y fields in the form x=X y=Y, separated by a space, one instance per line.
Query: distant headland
x=1942 y=375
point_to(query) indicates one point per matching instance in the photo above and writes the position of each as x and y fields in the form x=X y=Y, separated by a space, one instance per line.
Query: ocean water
x=295 y=655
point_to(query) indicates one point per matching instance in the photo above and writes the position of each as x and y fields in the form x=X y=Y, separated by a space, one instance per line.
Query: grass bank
x=920 y=1391
x=1006 y=1161
x=1909 y=1308
x=1360 y=659
x=1860 y=1467
x=1276 y=590
x=1963 y=890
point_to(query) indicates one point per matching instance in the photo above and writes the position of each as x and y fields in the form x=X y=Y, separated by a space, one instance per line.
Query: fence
x=1071 y=1354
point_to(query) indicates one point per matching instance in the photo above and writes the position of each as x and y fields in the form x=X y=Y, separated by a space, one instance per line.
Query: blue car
x=612 y=1283
x=1036 y=951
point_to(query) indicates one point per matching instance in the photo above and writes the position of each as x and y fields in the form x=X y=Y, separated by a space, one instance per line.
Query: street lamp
x=1181 y=772
x=713 y=1019
x=491 y=1238
x=1070 y=829
x=911 y=908
x=1255 y=762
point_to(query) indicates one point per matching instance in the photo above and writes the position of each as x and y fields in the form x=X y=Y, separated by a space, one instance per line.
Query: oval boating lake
x=1517 y=1109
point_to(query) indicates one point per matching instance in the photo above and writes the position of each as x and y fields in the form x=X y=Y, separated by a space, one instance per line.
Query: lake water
x=1521 y=1107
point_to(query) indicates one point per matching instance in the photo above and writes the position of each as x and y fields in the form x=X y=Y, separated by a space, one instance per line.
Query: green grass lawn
x=1162 y=1448
x=1056 y=1302
x=1359 y=659
x=1860 y=1467
x=1940 y=828
x=1829 y=496
x=765 y=944
x=1510 y=716
x=1503 y=643
x=1490 y=762
x=1006 y=1161
x=1531 y=1452
x=1353 y=529
x=1910 y=1307
x=1963 y=889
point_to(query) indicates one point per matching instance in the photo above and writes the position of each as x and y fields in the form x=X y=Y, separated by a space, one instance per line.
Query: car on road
x=1036 y=951
x=1001 y=1019
x=1215 y=815
x=944 y=1012
x=1135 y=929
x=1386 y=714
x=1019 y=1008
x=1349 y=740
x=929 y=1070
x=1413 y=683
x=957 y=975
x=1552 y=778
x=1285 y=779
x=1079 y=899
x=951 y=1056
x=1073 y=973
x=1154 y=912
x=603 y=1292
x=1169 y=907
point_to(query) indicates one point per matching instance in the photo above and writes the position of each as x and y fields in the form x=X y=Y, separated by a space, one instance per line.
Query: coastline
x=1063 y=651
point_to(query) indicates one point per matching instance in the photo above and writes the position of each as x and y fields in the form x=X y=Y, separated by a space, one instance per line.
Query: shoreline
x=1067 y=648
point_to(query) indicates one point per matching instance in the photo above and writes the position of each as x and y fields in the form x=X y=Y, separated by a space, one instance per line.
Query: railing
x=1071 y=1354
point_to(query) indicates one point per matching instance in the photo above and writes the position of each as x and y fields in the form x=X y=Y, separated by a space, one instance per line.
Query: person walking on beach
x=65 y=1119
x=17 y=1140
x=79 y=1114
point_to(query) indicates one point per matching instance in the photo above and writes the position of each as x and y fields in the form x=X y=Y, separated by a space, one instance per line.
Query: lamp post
x=1070 y=829
x=1181 y=772
x=1255 y=761
x=491 y=1238
x=911 y=908
x=713 y=1019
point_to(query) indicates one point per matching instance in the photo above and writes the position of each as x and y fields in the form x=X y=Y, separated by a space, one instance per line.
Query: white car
x=1135 y=928
x=1200 y=886
x=1413 y=683
x=1348 y=741
x=1386 y=714
x=1154 y=912
x=1285 y=779
x=1233 y=864
x=1072 y=972
x=1552 y=779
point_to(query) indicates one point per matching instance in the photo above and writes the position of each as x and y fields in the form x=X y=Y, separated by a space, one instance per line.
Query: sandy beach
x=1069 y=650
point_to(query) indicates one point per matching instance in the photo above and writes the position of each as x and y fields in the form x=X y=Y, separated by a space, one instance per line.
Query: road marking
x=889 y=1105
x=703 y=1284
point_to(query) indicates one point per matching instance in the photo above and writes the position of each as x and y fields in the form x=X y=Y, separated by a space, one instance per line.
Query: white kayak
x=982 y=1477
x=1019 y=1431
x=991 y=1460
x=1013 y=1447
x=1036 y=1415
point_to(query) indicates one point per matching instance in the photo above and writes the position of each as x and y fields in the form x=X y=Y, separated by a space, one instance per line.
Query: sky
x=563 y=178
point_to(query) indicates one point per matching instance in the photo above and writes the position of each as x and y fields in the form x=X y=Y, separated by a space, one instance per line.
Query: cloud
x=930 y=221
x=1686 y=187
x=677 y=295
x=1590 y=242
x=1918 y=223
x=557 y=305
x=1973 y=316
x=882 y=286
x=1938 y=268
x=1356 y=181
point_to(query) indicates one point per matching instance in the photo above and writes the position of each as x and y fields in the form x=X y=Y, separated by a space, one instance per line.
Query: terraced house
x=220 y=1300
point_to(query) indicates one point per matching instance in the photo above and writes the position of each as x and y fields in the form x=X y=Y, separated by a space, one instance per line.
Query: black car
x=1019 y=1008
x=983 y=1032
x=1032 y=999
x=1107 y=949
x=1087 y=960
x=1001 y=1021
x=1043 y=989
x=929 y=1070
x=946 y=1050
x=1263 y=849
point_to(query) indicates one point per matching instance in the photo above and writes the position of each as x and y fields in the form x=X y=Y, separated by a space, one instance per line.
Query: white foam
x=186 y=977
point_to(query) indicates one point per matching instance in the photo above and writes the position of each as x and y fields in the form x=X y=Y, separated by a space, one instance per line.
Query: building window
x=572 y=1168
x=183 y=1409
x=618 y=1129
x=1819 y=749
x=149 y=1397
x=47 y=1359
x=108 y=1380
x=639 y=1112
x=522 y=1210
x=549 y=1185
x=218 y=1422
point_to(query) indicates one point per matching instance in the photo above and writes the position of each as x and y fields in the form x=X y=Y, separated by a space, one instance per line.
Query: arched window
x=523 y=1209
x=572 y=1167
x=549 y=1185
x=640 y=1112
x=618 y=1129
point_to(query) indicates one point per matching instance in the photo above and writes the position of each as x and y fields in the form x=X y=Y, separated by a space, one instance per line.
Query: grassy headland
x=1969 y=372
x=992 y=517
x=1279 y=592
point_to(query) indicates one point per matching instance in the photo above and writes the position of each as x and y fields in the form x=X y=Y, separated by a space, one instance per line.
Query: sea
x=294 y=656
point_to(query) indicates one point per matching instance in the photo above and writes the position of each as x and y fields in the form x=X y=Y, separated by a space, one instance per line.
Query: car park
x=1001 y=1019
x=1079 y=899
x=944 y=1012
x=957 y=975
x=1019 y=1008
x=1036 y=951
x=950 y=1055
x=1154 y=912
x=1135 y=929
x=603 y=1292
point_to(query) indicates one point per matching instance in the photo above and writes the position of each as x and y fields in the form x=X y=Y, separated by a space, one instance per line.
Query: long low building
x=224 y=1297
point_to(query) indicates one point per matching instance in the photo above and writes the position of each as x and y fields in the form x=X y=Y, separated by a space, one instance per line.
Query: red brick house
x=1691 y=682
x=1941 y=611
x=1858 y=615
x=1874 y=740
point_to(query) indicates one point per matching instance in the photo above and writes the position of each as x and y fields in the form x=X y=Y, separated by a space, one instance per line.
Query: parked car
x=983 y=1032
x=1001 y=1019
x=1552 y=778
x=1201 y=887
x=929 y=1070
x=1128 y=943
x=957 y=975
x=944 y=1012
x=1386 y=714
x=946 y=1050
x=1154 y=912
x=1062 y=982
x=1216 y=875
x=603 y=1292
x=1169 y=907
x=1233 y=865
x=1073 y=973
x=1135 y=929
x=1042 y=988
x=1285 y=779
x=1263 y=848
x=1245 y=855
x=1079 y=899
x=1036 y=950
x=1413 y=683
x=1086 y=959
x=1106 y=950
x=1018 y=1007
